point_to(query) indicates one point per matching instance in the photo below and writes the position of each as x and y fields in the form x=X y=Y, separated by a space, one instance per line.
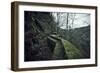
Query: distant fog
x=71 y=20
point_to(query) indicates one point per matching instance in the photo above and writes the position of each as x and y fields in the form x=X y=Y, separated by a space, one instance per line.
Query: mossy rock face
x=59 y=51
x=71 y=51
x=64 y=49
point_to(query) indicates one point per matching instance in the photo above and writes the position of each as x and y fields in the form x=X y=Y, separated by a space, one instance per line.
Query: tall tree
x=67 y=21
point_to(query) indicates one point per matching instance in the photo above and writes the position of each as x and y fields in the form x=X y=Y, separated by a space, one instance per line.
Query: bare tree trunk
x=73 y=20
x=58 y=20
x=67 y=21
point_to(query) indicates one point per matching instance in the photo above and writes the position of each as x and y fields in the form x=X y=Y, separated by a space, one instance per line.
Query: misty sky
x=78 y=19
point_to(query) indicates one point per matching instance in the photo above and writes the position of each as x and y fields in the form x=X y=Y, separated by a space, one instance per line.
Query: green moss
x=64 y=49
x=71 y=51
